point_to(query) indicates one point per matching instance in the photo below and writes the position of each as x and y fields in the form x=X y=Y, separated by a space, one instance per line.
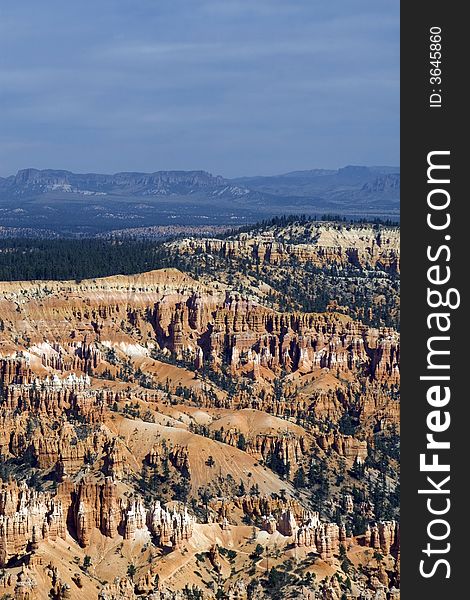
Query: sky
x=234 y=87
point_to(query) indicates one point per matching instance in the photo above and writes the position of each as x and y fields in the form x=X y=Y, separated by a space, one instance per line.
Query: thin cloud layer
x=235 y=87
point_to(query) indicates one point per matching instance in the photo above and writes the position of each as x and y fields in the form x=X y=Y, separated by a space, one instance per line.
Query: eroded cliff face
x=324 y=245
x=80 y=509
x=73 y=328
x=151 y=423
x=310 y=266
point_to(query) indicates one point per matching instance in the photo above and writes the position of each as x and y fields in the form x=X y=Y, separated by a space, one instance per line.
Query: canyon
x=178 y=434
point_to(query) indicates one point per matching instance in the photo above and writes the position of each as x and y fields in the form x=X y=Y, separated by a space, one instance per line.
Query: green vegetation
x=27 y=259
x=87 y=563
x=131 y=571
x=369 y=295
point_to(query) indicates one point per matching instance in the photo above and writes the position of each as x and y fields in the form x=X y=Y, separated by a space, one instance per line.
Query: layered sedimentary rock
x=284 y=448
x=169 y=527
x=94 y=506
x=26 y=585
x=160 y=453
x=120 y=589
x=332 y=245
x=119 y=394
x=260 y=506
x=28 y=516
x=384 y=536
x=25 y=515
x=202 y=327
x=323 y=538
x=309 y=531
x=345 y=445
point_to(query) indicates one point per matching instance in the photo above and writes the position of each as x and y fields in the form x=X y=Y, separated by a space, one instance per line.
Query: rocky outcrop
x=27 y=517
x=202 y=328
x=146 y=583
x=284 y=449
x=332 y=245
x=214 y=557
x=120 y=589
x=170 y=526
x=309 y=531
x=345 y=445
x=108 y=389
x=94 y=506
x=304 y=527
x=59 y=589
x=260 y=506
x=286 y=523
x=384 y=536
x=323 y=538
x=114 y=462
x=26 y=585
x=24 y=391
x=26 y=514
x=162 y=455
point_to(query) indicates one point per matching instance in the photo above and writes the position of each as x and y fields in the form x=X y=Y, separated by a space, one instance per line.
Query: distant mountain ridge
x=161 y=182
x=89 y=203
x=316 y=180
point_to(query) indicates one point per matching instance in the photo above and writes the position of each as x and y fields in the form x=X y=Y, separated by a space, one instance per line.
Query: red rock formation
x=59 y=589
x=345 y=445
x=200 y=326
x=24 y=515
x=214 y=557
x=178 y=457
x=135 y=519
x=27 y=516
x=61 y=343
x=262 y=506
x=170 y=526
x=286 y=523
x=120 y=589
x=26 y=585
x=384 y=536
x=94 y=506
x=285 y=448
x=114 y=464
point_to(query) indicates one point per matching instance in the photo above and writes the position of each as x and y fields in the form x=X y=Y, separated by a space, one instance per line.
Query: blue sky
x=235 y=87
